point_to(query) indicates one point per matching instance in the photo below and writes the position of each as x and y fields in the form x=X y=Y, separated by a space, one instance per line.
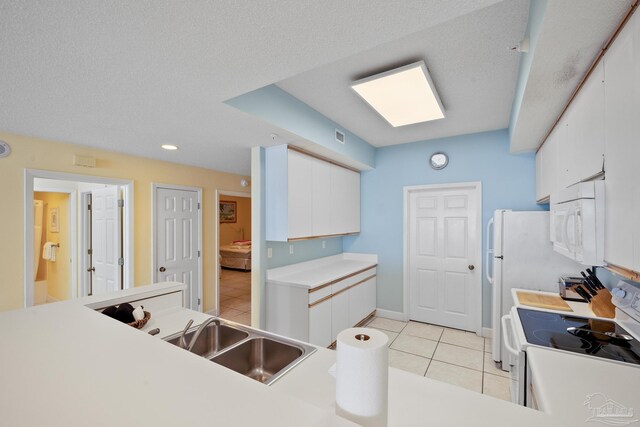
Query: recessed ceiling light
x=402 y=96
x=169 y=147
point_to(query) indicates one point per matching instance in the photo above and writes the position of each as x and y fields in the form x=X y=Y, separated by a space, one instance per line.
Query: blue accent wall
x=303 y=250
x=278 y=107
x=508 y=181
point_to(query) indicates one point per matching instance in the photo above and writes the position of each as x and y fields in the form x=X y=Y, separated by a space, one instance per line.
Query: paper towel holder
x=362 y=337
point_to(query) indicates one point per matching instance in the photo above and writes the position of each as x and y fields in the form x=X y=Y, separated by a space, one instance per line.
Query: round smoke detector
x=5 y=149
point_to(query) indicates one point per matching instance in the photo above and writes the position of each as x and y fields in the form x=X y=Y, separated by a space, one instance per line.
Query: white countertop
x=564 y=381
x=64 y=364
x=413 y=400
x=311 y=274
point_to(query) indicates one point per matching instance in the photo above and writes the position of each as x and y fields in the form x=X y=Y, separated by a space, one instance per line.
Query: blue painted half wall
x=508 y=181
x=281 y=109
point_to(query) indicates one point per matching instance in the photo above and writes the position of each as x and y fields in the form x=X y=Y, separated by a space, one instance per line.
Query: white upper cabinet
x=622 y=147
x=307 y=197
x=321 y=197
x=300 y=195
x=586 y=128
x=574 y=151
x=345 y=200
x=547 y=169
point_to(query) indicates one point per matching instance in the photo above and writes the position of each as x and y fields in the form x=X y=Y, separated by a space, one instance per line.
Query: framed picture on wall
x=54 y=220
x=228 y=211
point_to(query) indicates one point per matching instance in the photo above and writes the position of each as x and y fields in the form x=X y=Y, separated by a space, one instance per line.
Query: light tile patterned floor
x=449 y=355
x=235 y=296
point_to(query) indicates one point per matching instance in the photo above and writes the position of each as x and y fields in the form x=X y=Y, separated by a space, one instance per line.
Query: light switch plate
x=290 y=249
x=269 y=252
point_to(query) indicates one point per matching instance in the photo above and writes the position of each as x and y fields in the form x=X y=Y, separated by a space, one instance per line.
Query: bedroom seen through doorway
x=234 y=257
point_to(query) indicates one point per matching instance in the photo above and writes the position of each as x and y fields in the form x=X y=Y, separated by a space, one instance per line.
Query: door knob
x=162 y=269
x=472 y=267
x=91 y=269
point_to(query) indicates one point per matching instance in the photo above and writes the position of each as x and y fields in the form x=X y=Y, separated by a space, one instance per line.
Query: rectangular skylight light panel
x=403 y=96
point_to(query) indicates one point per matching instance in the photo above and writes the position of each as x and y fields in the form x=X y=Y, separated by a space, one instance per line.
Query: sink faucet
x=183 y=342
x=198 y=332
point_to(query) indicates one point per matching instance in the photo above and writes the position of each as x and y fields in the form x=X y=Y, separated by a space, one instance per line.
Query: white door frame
x=217 y=242
x=29 y=176
x=477 y=251
x=154 y=230
x=73 y=238
x=84 y=276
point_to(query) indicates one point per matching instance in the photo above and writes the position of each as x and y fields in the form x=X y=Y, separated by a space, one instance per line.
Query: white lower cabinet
x=320 y=323
x=318 y=315
x=340 y=314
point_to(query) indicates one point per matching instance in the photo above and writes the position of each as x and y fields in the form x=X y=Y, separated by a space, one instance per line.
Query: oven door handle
x=506 y=334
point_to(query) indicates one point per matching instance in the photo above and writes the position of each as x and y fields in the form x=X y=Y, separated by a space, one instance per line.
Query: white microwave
x=577 y=222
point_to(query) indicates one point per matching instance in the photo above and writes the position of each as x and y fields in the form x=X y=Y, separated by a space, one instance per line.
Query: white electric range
x=609 y=340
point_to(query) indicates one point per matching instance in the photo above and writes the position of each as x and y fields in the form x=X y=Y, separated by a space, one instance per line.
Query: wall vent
x=340 y=136
x=84 y=161
x=5 y=149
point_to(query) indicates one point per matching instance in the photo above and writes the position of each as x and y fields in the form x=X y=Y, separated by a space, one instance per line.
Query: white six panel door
x=105 y=240
x=443 y=279
x=177 y=240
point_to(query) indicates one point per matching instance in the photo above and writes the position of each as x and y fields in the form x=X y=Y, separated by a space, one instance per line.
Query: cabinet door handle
x=472 y=267
x=162 y=269
x=92 y=269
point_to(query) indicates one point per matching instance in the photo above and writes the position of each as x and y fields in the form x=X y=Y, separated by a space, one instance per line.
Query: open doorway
x=234 y=256
x=78 y=236
x=53 y=233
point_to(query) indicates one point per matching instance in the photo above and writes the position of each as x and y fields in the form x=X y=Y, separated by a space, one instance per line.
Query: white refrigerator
x=520 y=255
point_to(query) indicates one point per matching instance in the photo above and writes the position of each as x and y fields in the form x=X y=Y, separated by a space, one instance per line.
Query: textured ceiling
x=470 y=62
x=130 y=75
x=573 y=34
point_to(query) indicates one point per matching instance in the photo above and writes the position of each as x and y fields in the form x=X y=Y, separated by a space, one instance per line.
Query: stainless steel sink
x=256 y=354
x=213 y=339
x=260 y=358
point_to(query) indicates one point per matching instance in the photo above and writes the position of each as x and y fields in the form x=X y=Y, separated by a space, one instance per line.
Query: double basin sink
x=256 y=354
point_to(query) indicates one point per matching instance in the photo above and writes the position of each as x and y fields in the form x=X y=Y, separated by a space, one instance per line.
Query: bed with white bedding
x=236 y=255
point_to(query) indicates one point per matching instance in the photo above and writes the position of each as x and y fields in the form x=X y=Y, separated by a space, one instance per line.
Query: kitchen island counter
x=66 y=364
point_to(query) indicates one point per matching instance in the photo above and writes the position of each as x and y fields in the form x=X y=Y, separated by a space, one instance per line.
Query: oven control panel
x=627 y=297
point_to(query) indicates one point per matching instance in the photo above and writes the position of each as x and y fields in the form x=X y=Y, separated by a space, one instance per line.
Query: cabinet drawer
x=316 y=295
x=338 y=285
x=352 y=280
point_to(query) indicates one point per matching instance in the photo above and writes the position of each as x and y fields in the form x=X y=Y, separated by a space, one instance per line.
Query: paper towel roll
x=362 y=376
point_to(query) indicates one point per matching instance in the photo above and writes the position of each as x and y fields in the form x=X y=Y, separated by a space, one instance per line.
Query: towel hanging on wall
x=49 y=251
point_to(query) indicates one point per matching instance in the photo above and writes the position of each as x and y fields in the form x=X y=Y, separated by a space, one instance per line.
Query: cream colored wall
x=34 y=153
x=58 y=273
x=233 y=231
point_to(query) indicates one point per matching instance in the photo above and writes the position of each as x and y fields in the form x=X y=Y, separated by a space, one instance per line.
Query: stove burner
x=563 y=341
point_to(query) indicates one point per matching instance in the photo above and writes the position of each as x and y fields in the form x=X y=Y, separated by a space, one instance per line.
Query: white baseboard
x=487 y=332
x=388 y=314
